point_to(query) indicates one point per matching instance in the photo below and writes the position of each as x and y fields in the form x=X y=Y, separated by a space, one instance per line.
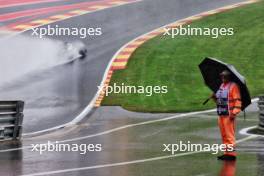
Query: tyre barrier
x=261 y=112
x=11 y=119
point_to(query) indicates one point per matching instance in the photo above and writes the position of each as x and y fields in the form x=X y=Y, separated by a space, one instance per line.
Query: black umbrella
x=211 y=69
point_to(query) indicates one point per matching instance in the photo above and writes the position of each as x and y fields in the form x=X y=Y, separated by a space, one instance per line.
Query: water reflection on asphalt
x=121 y=146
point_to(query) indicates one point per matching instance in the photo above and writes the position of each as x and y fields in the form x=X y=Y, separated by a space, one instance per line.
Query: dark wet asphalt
x=123 y=145
x=56 y=95
x=40 y=5
x=59 y=94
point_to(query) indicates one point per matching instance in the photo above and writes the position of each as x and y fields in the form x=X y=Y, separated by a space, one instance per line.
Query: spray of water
x=22 y=55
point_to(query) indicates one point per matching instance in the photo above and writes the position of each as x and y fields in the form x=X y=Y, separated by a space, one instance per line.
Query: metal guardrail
x=11 y=119
x=261 y=112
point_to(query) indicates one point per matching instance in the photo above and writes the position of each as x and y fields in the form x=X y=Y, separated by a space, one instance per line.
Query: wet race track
x=57 y=85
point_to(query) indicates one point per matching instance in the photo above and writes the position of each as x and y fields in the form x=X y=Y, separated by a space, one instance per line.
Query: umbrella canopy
x=211 y=69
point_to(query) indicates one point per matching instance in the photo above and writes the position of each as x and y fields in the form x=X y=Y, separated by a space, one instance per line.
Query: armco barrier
x=11 y=118
x=261 y=112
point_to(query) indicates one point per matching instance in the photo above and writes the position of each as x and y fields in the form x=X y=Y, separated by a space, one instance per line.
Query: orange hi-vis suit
x=228 y=168
x=229 y=103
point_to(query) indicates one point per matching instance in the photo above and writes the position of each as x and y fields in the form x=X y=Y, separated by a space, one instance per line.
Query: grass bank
x=173 y=63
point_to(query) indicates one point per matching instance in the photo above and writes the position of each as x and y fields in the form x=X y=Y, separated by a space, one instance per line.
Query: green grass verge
x=174 y=63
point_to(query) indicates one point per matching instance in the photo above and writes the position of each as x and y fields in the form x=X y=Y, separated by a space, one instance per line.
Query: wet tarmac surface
x=59 y=94
x=124 y=139
x=129 y=146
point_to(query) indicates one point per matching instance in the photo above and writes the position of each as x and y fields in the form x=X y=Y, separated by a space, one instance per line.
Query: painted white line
x=246 y=139
x=244 y=131
x=87 y=109
x=119 y=128
x=90 y=106
x=123 y=127
x=127 y=162
x=111 y=165
x=250 y=150
x=142 y=123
